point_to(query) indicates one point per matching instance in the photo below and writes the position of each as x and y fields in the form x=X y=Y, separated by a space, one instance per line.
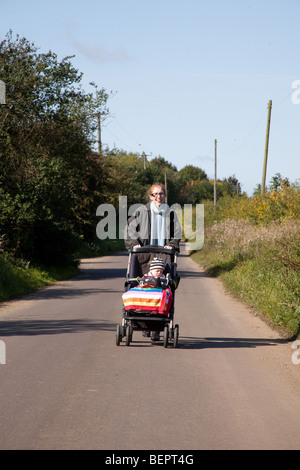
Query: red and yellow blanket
x=151 y=299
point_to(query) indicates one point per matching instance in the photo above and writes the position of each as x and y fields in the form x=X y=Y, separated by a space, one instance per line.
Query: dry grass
x=259 y=264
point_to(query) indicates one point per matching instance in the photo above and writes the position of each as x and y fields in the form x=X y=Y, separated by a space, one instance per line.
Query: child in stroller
x=148 y=300
x=155 y=274
x=155 y=277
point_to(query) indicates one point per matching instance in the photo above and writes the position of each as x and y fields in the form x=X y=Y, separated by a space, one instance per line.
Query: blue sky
x=183 y=73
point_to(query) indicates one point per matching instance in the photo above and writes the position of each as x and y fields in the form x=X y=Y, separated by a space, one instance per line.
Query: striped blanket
x=153 y=299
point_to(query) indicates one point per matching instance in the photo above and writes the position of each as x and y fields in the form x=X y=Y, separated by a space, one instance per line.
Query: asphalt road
x=231 y=383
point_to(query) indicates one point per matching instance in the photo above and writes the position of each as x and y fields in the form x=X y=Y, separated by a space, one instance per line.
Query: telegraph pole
x=144 y=155
x=2 y=92
x=3 y=101
x=99 y=134
x=166 y=188
x=215 y=178
x=263 y=185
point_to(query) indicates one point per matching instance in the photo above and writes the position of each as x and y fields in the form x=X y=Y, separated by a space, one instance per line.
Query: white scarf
x=158 y=224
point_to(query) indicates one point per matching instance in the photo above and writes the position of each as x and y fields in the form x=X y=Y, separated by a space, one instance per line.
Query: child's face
x=156 y=272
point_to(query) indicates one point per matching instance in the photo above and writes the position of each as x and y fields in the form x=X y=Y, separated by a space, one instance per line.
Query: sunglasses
x=157 y=194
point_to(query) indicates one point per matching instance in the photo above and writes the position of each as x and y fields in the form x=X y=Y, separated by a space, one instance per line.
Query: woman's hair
x=150 y=190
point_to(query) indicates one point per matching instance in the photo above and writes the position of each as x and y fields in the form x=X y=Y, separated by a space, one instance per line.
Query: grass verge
x=17 y=277
x=259 y=265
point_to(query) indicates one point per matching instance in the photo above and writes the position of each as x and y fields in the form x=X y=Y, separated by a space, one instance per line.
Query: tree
x=278 y=182
x=199 y=191
x=191 y=173
x=231 y=186
x=46 y=134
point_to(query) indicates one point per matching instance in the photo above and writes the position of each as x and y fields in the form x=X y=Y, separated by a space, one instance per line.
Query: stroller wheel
x=128 y=335
x=166 y=336
x=118 y=335
x=176 y=336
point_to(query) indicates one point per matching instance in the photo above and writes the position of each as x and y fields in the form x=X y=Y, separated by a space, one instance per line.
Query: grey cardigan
x=138 y=228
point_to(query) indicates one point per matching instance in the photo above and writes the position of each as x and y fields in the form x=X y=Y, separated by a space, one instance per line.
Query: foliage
x=52 y=181
x=253 y=244
x=190 y=173
x=17 y=277
x=47 y=172
x=261 y=209
x=232 y=186
x=261 y=265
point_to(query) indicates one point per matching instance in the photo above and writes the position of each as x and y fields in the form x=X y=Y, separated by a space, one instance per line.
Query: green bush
x=260 y=265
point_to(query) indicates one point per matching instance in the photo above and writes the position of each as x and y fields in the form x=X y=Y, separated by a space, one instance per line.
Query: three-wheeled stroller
x=143 y=320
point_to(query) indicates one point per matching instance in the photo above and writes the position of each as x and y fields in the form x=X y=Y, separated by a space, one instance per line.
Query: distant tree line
x=51 y=179
x=133 y=174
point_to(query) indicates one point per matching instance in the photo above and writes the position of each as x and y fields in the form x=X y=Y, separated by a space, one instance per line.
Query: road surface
x=231 y=384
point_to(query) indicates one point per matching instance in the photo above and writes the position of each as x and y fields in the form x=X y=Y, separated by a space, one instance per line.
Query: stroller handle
x=150 y=280
x=152 y=249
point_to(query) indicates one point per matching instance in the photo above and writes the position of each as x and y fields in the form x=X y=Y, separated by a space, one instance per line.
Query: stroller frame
x=141 y=320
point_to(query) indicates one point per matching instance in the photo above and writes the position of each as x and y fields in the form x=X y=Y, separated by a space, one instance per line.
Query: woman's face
x=157 y=195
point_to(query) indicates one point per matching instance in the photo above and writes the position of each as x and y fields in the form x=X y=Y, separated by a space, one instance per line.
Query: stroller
x=147 y=321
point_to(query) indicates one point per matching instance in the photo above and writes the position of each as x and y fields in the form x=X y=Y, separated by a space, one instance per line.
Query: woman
x=152 y=224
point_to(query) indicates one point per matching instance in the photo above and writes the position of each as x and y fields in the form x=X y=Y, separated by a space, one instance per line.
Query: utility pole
x=263 y=185
x=144 y=155
x=145 y=159
x=2 y=92
x=166 y=198
x=215 y=178
x=99 y=134
x=3 y=102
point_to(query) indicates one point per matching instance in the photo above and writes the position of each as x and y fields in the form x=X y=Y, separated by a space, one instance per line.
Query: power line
x=259 y=121
x=283 y=100
x=122 y=127
x=250 y=134
x=120 y=140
